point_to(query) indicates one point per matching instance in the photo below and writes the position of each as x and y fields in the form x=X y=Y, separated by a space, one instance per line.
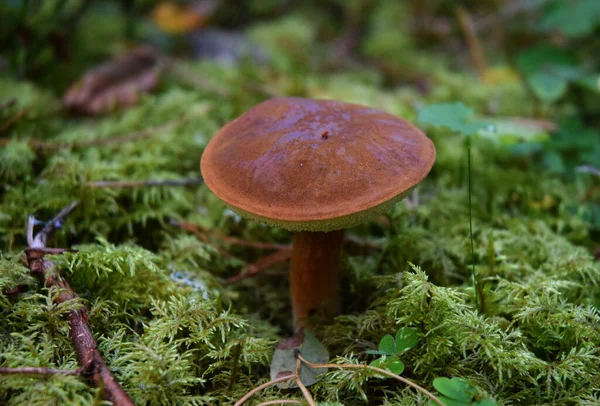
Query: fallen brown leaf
x=117 y=83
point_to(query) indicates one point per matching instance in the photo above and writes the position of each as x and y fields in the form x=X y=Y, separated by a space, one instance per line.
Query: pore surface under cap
x=314 y=164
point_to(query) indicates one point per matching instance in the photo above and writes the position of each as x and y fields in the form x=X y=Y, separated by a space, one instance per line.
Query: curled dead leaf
x=117 y=83
x=176 y=19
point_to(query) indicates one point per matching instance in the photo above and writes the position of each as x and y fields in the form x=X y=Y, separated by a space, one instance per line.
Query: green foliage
x=455 y=116
x=458 y=392
x=548 y=70
x=573 y=19
x=391 y=348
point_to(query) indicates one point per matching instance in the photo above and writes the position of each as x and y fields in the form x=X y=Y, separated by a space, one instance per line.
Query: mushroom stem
x=314 y=278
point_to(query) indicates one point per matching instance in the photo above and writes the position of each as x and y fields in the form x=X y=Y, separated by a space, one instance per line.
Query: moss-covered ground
x=173 y=332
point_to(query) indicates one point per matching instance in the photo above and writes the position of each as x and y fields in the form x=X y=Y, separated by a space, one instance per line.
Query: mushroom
x=315 y=167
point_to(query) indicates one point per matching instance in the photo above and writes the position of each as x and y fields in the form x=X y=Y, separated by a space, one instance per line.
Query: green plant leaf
x=395 y=366
x=451 y=402
x=547 y=86
x=406 y=338
x=573 y=18
x=387 y=345
x=455 y=116
x=590 y=82
x=548 y=59
x=455 y=388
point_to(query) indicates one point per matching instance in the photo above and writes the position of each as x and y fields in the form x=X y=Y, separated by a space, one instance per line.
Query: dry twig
x=279 y=257
x=263 y=386
x=93 y=366
x=119 y=139
x=14 y=119
x=475 y=48
x=379 y=371
x=307 y=394
x=39 y=371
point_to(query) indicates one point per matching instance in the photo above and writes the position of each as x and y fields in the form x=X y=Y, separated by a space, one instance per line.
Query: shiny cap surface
x=315 y=165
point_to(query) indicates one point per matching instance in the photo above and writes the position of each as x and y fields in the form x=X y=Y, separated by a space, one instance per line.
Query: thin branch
x=305 y=392
x=14 y=119
x=14 y=291
x=141 y=183
x=531 y=123
x=93 y=366
x=378 y=370
x=263 y=386
x=475 y=48
x=201 y=233
x=118 y=139
x=254 y=244
x=509 y=11
x=40 y=371
x=263 y=263
x=280 y=402
x=39 y=242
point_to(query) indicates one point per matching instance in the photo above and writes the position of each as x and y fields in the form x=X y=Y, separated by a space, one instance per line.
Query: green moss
x=173 y=333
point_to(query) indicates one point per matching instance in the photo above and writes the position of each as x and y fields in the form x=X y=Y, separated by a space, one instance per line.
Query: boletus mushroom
x=315 y=167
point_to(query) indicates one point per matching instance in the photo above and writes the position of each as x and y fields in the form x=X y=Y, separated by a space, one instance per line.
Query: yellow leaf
x=176 y=19
x=499 y=75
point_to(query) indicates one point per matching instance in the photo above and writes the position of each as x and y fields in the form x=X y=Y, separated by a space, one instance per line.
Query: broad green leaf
x=590 y=82
x=548 y=59
x=572 y=18
x=553 y=162
x=387 y=345
x=547 y=86
x=406 y=338
x=451 y=402
x=455 y=388
x=455 y=116
x=284 y=360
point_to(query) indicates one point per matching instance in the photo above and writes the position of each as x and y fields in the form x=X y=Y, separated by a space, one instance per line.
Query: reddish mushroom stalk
x=314 y=277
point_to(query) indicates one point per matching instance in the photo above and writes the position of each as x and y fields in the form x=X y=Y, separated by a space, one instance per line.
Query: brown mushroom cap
x=315 y=165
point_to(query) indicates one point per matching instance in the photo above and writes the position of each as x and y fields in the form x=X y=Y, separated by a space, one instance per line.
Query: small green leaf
x=455 y=116
x=395 y=366
x=547 y=86
x=387 y=345
x=377 y=362
x=406 y=338
x=455 y=388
